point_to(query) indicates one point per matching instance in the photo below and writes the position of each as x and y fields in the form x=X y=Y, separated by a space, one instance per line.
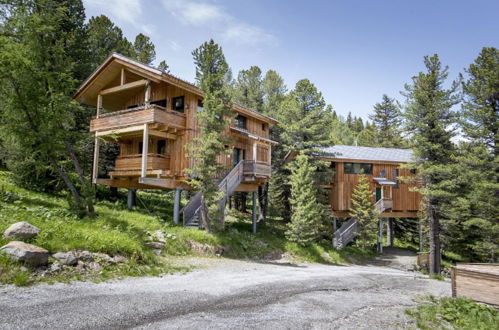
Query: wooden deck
x=479 y=282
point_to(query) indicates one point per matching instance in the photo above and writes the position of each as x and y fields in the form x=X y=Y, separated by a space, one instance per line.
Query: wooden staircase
x=227 y=185
x=348 y=231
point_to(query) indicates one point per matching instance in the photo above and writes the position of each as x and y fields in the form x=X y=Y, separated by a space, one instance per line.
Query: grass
x=454 y=313
x=115 y=230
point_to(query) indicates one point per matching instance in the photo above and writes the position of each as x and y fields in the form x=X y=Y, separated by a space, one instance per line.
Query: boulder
x=66 y=258
x=27 y=253
x=117 y=259
x=21 y=230
x=84 y=255
x=95 y=266
x=102 y=257
x=155 y=245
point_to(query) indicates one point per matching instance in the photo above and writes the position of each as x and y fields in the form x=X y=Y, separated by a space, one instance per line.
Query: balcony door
x=239 y=154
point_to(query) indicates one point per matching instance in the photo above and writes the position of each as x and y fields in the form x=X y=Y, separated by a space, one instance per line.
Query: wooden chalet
x=151 y=115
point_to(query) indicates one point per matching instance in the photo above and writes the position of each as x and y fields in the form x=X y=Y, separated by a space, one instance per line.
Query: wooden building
x=151 y=115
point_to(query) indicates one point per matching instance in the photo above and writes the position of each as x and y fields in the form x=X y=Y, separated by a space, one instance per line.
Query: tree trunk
x=113 y=193
x=81 y=175
x=421 y=236
x=204 y=218
x=434 y=262
x=67 y=180
x=263 y=194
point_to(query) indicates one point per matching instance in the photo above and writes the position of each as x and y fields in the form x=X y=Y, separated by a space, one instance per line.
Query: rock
x=55 y=267
x=30 y=254
x=157 y=251
x=95 y=266
x=84 y=255
x=21 y=230
x=159 y=236
x=66 y=258
x=206 y=249
x=117 y=259
x=80 y=265
x=155 y=245
x=102 y=257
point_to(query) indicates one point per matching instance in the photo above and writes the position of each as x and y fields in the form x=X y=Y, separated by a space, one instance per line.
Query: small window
x=161 y=147
x=200 y=105
x=358 y=168
x=140 y=148
x=413 y=171
x=161 y=103
x=178 y=103
x=264 y=127
x=240 y=121
x=382 y=173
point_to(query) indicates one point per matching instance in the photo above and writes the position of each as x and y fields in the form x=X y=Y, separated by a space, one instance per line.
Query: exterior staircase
x=348 y=231
x=227 y=185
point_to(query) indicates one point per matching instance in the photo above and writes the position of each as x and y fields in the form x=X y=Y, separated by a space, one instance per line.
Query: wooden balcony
x=147 y=114
x=131 y=165
x=383 y=205
x=257 y=168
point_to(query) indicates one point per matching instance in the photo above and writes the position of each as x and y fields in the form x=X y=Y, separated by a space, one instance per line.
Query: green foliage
x=211 y=69
x=144 y=50
x=249 y=89
x=454 y=313
x=307 y=213
x=363 y=210
x=387 y=121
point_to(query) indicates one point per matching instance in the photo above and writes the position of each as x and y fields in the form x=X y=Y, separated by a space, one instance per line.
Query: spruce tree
x=143 y=49
x=307 y=213
x=249 y=89
x=387 y=120
x=428 y=119
x=211 y=68
x=363 y=211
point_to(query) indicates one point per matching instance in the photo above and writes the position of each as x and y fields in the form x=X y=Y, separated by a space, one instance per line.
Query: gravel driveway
x=226 y=294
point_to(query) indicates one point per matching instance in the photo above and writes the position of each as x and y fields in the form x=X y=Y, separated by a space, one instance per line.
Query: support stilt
x=176 y=205
x=421 y=237
x=132 y=198
x=254 y=212
x=380 y=235
x=389 y=232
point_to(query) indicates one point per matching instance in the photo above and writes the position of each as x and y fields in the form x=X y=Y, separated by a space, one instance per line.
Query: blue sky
x=353 y=51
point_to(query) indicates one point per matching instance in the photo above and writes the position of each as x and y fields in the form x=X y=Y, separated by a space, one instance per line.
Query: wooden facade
x=479 y=282
x=136 y=103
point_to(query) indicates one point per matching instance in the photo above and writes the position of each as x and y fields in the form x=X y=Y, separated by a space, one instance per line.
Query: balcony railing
x=133 y=162
x=383 y=204
x=257 y=168
x=145 y=114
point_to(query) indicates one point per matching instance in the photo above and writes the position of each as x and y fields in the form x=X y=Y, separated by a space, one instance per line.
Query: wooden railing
x=257 y=168
x=133 y=162
x=383 y=204
x=137 y=116
x=345 y=234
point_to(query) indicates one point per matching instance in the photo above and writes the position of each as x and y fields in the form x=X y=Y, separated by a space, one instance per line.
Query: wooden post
x=176 y=205
x=254 y=152
x=145 y=150
x=335 y=224
x=131 y=199
x=99 y=105
x=122 y=80
x=380 y=235
x=147 y=96
x=270 y=155
x=254 y=212
x=453 y=281
x=95 y=170
x=421 y=236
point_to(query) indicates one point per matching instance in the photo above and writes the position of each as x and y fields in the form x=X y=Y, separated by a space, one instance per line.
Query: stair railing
x=345 y=234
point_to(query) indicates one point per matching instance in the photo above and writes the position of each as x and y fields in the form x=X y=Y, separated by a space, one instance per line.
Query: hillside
x=119 y=232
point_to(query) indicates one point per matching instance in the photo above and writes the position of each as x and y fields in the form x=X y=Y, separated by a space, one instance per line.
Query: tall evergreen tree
x=211 y=68
x=364 y=213
x=387 y=121
x=307 y=213
x=249 y=88
x=428 y=118
x=144 y=50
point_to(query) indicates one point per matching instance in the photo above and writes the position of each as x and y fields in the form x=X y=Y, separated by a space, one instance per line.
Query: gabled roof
x=154 y=74
x=368 y=153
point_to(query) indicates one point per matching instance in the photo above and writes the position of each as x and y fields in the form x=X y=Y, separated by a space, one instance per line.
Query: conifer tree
x=144 y=50
x=307 y=213
x=364 y=213
x=387 y=120
x=211 y=68
x=249 y=89
x=429 y=118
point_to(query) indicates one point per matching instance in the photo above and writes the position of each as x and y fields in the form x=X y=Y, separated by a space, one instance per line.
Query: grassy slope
x=118 y=231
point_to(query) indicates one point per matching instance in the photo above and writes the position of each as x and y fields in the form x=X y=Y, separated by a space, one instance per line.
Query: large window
x=358 y=168
x=161 y=103
x=240 y=121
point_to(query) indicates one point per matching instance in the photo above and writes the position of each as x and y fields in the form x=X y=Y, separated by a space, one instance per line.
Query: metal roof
x=369 y=153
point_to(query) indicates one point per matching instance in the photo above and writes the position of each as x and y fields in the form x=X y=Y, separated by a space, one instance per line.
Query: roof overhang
x=253 y=136
x=385 y=181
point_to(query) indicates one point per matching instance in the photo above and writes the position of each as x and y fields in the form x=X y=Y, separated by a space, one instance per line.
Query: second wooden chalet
x=151 y=115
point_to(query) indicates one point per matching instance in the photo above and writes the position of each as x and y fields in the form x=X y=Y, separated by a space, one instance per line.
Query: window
x=178 y=103
x=161 y=103
x=382 y=173
x=240 y=121
x=200 y=105
x=358 y=168
x=264 y=127
x=161 y=147
x=140 y=148
x=413 y=171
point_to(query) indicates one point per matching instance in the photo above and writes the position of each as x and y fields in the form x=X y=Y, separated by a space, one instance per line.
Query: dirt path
x=396 y=258
x=226 y=294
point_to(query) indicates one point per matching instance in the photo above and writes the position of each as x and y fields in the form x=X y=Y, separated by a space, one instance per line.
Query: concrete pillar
x=132 y=197
x=389 y=232
x=254 y=212
x=176 y=205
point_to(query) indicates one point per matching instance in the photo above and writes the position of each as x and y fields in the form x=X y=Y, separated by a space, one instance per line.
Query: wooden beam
x=254 y=151
x=145 y=148
x=99 y=105
x=95 y=169
x=246 y=187
x=161 y=183
x=131 y=85
x=136 y=129
x=122 y=80
x=145 y=75
x=147 y=96
x=124 y=183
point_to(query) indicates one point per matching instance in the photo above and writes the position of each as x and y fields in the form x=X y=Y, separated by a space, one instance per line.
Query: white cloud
x=128 y=11
x=216 y=19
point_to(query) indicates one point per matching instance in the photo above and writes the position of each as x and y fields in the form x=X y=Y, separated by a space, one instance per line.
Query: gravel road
x=226 y=294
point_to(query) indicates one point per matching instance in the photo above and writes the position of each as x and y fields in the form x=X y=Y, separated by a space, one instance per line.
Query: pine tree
x=307 y=213
x=249 y=88
x=364 y=213
x=429 y=118
x=387 y=120
x=143 y=49
x=211 y=69
x=164 y=67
